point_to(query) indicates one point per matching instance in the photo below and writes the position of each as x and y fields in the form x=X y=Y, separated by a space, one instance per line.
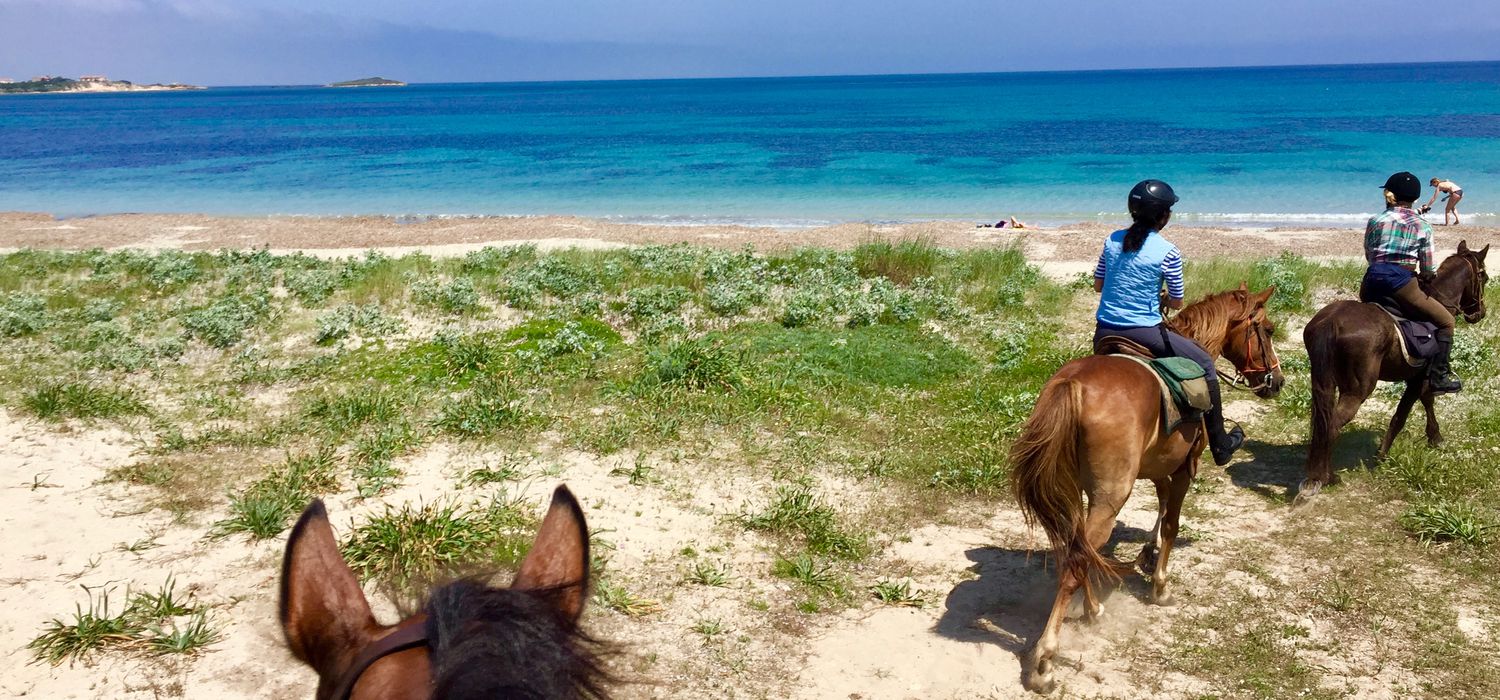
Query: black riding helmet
x=1151 y=197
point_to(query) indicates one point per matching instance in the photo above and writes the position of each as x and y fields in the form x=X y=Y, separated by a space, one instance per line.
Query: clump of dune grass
x=900 y=594
x=56 y=400
x=491 y=405
x=408 y=547
x=613 y=596
x=264 y=509
x=1446 y=521
x=795 y=510
x=900 y=262
x=159 y=622
x=698 y=364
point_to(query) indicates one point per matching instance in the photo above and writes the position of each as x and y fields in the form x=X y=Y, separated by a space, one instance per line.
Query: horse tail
x=1045 y=480
x=1320 y=337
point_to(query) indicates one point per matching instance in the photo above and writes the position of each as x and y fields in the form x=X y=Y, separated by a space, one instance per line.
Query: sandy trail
x=345 y=235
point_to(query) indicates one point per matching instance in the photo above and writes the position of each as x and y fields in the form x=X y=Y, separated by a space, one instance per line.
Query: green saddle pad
x=1186 y=381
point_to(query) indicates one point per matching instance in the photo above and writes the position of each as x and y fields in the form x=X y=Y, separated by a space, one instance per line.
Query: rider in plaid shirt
x=1398 y=236
x=1398 y=246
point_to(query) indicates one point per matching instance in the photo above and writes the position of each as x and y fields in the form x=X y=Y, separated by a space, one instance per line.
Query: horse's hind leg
x=1434 y=435
x=1179 y=483
x=1398 y=419
x=1040 y=679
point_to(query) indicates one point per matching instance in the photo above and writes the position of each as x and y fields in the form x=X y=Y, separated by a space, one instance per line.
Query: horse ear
x=1264 y=296
x=1244 y=286
x=1483 y=252
x=1463 y=246
x=323 y=610
x=559 y=559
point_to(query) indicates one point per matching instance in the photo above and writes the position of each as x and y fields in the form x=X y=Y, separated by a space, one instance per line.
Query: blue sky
x=237 y=42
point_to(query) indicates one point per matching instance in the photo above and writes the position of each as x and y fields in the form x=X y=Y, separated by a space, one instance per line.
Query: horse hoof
x=1040 y=684
x=1435 y=442
x=1163 y=599
x=1306 y=492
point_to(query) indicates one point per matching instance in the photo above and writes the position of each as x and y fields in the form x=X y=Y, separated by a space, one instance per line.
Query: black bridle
x=411 y=635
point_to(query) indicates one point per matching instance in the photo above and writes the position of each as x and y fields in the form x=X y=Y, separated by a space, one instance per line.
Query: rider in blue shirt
x=1132 y=268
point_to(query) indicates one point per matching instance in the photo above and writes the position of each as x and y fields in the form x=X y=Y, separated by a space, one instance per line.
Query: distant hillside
x=87 y=84
x=369 y=82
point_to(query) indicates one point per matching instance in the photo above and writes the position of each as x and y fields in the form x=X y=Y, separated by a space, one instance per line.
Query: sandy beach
x=330 y=236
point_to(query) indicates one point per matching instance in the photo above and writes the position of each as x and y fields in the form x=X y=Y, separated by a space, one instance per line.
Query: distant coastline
x=367 y=82
x=87 y=83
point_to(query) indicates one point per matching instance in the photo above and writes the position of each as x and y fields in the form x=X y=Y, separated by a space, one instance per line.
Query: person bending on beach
x=1398 y=247
x=1133 y=266
x=1454 y=192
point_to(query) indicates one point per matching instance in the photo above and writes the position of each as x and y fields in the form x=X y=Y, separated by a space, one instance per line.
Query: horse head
x=1248 y=342
x=1471 y=300
x=470 y=640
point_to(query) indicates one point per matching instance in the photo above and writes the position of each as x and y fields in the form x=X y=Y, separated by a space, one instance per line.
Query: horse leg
x=1146 y=560
x=1434 y=435
x=1105 y=502
x=1179 y=482
x=1398 y=419
x=1326 y=427
x=1040 y=679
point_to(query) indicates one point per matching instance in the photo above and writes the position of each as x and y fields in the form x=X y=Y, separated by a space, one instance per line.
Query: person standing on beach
x=1455 y=193
x=1132 y=268
x=1398 y=247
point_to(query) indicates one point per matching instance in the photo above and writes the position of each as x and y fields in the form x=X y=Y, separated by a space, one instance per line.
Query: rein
x=411 y=636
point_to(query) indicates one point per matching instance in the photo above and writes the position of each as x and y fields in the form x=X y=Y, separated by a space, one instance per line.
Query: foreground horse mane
x=1207 y=320
x=495 y=642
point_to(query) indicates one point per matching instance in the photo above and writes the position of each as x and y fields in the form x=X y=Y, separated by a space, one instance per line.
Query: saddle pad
x=1418 y=338
x=1175 y=410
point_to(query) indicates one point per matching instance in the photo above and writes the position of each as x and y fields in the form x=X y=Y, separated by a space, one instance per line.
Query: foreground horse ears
x=1265 y=296
x=323 y=610
x=1244 y=286
x=559 y=559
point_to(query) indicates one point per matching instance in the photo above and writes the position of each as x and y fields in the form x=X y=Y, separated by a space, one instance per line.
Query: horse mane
x=1207 y=320
x=502 y=643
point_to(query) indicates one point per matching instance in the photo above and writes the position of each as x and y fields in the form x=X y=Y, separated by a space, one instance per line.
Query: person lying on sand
x=1012 y=223
x=1454 y=192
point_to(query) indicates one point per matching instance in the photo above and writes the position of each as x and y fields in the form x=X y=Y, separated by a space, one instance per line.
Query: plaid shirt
x=1399 y=237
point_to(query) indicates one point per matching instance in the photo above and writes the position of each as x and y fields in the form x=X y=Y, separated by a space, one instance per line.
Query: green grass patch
x=410 y=547
x=264 y=509
x=159 y=622
x=56 y=401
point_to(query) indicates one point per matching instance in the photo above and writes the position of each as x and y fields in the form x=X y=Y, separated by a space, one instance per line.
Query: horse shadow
x=1275 y=471
x=1008 y=600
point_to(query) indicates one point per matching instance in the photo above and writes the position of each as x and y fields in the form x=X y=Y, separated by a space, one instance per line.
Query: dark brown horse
x=1096 y=429
x=1351 y=346
x=470 y=641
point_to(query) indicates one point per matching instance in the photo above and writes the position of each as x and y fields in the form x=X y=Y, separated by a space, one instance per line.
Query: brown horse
x=1351 y=346
x=470 y=641
x=1096 y=429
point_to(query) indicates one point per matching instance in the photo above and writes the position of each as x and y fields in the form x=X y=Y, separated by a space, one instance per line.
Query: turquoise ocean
x=1244 y=146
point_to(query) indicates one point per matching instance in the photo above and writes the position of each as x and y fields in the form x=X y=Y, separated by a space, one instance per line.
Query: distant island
x=369 y=82
x=87 y=83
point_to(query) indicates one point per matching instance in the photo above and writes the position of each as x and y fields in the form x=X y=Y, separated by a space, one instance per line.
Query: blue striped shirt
x=1133 y=281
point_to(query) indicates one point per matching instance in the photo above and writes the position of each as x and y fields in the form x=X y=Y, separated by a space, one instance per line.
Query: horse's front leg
x=1179 y=483
x=1146 y=560
x=1434 y=435
x=1414 y=390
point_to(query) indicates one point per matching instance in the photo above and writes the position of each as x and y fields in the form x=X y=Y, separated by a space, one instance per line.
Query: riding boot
x=1439 y=374
x=1222 y=444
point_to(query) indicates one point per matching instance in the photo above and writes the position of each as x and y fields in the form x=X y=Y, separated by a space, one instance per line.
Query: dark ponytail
x=1146 y=220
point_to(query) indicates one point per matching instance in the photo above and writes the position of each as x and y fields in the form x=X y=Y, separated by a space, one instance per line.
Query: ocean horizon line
x=836 y=76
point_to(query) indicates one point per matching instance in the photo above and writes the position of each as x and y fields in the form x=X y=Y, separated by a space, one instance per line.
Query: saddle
x=1184 y=386
x=1419 y=338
